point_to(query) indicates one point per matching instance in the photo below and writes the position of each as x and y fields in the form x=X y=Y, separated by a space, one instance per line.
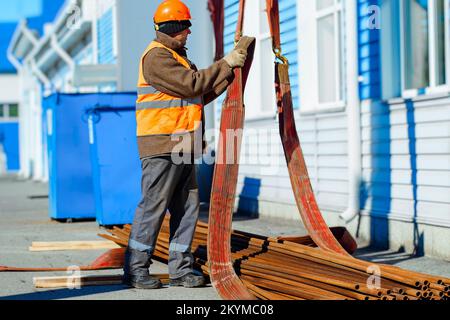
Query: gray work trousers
x=165 y=186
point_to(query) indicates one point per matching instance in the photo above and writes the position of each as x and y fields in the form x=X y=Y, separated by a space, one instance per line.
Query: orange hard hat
x=172 y=10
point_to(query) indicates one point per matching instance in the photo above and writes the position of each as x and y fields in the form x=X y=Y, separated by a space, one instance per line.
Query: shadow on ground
x=238 y=216
x=373 y=254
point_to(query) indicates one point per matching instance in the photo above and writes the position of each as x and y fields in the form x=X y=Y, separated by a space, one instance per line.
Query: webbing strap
x=216 y=7
x=274 y=22
x=298 y=172
x=240 y=22
x=273 y=13
x=223 y=195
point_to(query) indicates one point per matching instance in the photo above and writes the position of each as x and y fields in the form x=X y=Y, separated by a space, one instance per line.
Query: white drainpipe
x=62 y=53
x=14 y=61
x=27 y=32
x=353 y=112
x=3 y=160
x=41 y=76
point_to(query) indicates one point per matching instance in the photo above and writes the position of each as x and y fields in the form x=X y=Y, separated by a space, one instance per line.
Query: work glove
x=236 y=58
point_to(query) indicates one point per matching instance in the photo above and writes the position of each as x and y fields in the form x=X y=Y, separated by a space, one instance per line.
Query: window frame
x=6 y=117
x=335 y=10
x=8 y=108
x=311 y=104
x=256 y=11
x=432 y=88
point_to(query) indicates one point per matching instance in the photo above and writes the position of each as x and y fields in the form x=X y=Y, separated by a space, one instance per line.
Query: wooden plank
x=84 y=281
x=72 y=245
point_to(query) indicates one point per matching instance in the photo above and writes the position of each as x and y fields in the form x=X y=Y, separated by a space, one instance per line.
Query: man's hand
x=236 y=58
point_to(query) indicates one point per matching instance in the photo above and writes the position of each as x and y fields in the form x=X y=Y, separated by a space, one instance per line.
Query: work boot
x=141 y=281
x=190 y=280
x=136 y=272
x=136 y=262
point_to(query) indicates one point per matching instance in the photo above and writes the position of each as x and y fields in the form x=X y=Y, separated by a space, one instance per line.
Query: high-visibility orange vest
x=159 y=113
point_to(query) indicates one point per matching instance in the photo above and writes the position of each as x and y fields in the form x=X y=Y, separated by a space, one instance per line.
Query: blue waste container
x=71 y=192
x=115 y=158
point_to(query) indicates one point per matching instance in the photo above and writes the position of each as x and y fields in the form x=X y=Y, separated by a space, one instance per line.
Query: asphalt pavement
x=24 y=219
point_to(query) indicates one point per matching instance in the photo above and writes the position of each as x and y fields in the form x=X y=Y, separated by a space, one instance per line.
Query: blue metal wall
x=9 y=138
x=6 y=31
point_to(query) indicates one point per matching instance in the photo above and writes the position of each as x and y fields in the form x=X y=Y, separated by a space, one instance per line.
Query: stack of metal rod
x=275 y=269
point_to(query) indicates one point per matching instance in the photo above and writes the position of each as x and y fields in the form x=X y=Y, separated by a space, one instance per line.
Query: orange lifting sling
x=222 y=273
x=301 y=184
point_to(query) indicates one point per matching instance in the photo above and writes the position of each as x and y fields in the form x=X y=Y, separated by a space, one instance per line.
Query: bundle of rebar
x=275 y=269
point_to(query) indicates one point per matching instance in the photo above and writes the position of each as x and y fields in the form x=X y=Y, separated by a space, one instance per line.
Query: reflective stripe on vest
x=158 y=113
x=174 y=103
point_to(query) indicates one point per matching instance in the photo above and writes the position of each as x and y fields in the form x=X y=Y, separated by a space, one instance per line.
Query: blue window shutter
x=369 y=52
x=289 y=44
x=105 y=38
x=231 y=17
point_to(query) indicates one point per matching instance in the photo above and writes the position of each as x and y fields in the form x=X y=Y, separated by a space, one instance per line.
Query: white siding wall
x=408 y=161
x=324 y=143
x=10 y=88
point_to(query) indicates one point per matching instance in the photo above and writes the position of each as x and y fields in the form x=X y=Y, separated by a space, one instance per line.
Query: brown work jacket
x=163 y=72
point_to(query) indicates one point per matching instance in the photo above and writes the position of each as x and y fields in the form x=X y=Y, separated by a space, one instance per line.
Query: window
x=13 y=110
x=424 y=49
x=8 y=111
x=328 y=18
x=289 y=45
x=322 y=55
x=268 y=99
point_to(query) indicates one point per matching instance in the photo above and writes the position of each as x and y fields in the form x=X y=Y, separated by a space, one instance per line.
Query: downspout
x=30 y=36
x=19 y=67
x=41 y=76
x=27 y=32
x=14 y=61
x=3 y=160
x=353 y=113
x=62 y=53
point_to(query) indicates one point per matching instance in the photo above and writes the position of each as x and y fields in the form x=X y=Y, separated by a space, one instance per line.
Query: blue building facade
x=370 y=82
x=37 y=14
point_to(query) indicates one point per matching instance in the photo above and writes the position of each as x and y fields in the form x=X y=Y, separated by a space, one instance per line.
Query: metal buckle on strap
x=277 y=52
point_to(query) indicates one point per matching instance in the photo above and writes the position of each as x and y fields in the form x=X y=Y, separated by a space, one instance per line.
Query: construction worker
x=171 y=96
